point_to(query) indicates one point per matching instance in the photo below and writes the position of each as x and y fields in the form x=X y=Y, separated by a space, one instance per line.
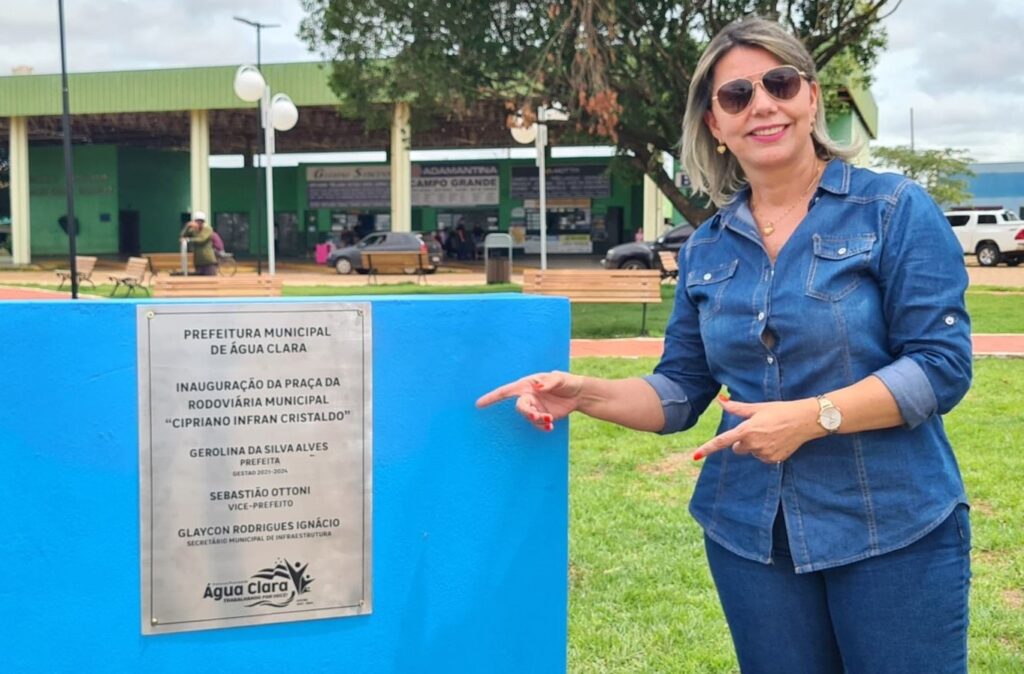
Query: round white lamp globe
x=283 y=112
x=249 y=84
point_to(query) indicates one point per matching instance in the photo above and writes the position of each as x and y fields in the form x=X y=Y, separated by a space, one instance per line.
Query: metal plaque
x=255 y=463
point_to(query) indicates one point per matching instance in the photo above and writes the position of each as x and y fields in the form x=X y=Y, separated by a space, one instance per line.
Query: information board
x=255 y=459
x=590 y=181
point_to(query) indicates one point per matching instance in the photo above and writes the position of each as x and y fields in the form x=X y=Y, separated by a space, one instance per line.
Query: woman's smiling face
x=768 y=133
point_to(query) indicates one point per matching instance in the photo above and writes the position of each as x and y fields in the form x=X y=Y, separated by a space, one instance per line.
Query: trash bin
x=498 y=258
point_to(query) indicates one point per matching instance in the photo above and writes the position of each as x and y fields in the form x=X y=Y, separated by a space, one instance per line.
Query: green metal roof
x=157 y=90
x=863 y=103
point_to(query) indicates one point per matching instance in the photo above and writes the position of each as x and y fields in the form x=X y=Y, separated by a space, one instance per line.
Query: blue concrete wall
x=470 y=507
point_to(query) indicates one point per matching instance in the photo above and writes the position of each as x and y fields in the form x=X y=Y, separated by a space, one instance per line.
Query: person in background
x=478 y=239
x=829 y=301
x=218 y=243
x=348 y=237
x=441 y=237
x=200 y=237
x=460 y=244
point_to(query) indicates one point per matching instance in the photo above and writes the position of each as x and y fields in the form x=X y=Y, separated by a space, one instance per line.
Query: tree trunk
x=694 y=214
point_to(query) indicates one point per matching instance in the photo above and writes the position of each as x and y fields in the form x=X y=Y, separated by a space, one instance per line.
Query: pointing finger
x=513 y=390
x=718 y=443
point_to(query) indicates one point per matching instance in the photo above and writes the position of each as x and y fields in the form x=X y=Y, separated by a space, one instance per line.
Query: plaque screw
x=155 y=621
x=150 y=315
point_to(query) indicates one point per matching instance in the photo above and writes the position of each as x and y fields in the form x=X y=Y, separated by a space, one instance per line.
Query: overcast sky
x=958 y=63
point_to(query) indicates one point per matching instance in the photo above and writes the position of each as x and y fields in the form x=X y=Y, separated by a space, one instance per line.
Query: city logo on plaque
x=276 y=586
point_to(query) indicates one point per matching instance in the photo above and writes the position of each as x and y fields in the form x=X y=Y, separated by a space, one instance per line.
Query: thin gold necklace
x=769 y=228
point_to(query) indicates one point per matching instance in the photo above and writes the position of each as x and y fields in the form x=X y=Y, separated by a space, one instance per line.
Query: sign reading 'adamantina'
x=255 y=463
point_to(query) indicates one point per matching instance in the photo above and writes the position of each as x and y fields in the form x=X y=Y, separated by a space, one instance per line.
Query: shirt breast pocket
x=838 y=265
x=705 y=287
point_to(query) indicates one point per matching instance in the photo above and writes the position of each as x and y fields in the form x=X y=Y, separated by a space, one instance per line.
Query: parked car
x=994 y=234
x=644 y=254
x=350 y=258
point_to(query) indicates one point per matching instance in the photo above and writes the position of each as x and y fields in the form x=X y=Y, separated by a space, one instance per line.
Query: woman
x=829 y=301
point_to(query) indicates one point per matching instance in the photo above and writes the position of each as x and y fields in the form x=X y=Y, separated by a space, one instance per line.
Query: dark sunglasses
x=781 y=83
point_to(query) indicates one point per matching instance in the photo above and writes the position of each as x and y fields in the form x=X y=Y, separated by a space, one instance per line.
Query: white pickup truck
x=994 y=235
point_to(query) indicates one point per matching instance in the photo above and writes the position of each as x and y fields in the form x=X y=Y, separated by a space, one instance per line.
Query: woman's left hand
x=771 y=431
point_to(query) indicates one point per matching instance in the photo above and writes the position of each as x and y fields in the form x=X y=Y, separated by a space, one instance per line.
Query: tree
x=621 y=67
x=943 y=173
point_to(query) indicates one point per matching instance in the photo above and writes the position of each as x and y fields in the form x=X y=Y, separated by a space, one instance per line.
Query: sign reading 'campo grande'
x=431 y=185
x=255 y=457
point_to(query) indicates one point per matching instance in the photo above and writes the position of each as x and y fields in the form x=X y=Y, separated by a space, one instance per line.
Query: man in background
x=200 y=237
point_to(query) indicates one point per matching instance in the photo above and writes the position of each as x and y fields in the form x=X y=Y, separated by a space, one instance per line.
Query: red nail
x=724 y=397
x=698 y=455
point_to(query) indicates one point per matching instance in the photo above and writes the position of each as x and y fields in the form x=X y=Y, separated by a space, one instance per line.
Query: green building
x=143 y=142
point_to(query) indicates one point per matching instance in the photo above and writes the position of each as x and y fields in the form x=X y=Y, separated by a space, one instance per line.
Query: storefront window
x=233 y=229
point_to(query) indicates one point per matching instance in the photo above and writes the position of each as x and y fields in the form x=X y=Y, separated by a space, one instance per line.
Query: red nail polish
x=724 y=397
x=697 y=456
x=550 y=427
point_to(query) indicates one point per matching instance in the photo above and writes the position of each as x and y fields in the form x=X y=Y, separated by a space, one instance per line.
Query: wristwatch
x=829 y=416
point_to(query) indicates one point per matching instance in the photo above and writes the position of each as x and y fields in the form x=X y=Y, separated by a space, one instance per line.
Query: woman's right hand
x=542 y=398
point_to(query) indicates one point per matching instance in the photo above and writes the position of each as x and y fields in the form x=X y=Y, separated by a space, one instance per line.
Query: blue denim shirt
x=871 y=283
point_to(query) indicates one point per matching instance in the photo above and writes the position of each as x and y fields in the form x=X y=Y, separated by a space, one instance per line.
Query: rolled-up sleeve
x=909 y=385
x=923 y=282
x=674 y=402
x=682 y=379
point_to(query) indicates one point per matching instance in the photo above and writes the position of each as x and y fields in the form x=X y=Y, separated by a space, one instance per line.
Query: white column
x=401 y=170
x=654 y=211
x=21 y=238
x=199 y=154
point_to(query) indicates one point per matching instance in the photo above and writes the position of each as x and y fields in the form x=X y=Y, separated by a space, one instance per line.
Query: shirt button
x=770 y=360
x=950 y=320
x=841 y=251
x=707 y=277
x=760 y=315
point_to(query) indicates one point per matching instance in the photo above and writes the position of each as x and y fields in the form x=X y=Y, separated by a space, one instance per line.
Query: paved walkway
x=15 y=293
x=1007 y=346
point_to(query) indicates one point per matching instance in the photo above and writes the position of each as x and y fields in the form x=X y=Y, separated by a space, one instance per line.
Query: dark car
x=644 y=255
x=350 y=258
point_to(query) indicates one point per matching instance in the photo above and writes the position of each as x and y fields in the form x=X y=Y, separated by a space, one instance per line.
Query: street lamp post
x=259 y=26
x=538 y=134
x=69 y=172
x=280 y=113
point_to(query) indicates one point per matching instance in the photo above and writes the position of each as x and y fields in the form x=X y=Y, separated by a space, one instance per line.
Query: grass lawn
x=641 y=598
x=990 y=312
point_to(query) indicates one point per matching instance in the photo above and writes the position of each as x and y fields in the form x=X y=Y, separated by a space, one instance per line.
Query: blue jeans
x=904 y=612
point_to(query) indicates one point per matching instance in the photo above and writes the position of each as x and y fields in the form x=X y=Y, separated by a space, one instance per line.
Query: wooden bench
x=614 y=286
x=133 y=276
x=84 y=264
x=169 y=262
x=217 y=286
x=669 y=264
x=397 y=262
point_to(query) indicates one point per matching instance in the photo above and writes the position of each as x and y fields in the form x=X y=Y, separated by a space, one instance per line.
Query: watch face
x=830 y=418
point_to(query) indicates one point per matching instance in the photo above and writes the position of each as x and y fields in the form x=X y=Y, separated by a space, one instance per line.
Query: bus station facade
x=142 y=142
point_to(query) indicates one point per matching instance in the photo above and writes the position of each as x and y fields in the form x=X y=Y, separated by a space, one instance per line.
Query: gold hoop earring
x=721 y=148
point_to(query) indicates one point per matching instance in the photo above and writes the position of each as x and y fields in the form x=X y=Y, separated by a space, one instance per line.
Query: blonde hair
x=720 y=175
